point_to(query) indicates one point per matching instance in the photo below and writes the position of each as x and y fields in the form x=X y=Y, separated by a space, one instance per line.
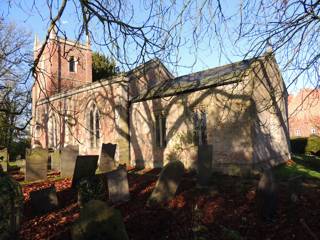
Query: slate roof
x=212 y=77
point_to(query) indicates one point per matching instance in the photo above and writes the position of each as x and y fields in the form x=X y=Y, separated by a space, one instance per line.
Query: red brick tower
x=63 y=65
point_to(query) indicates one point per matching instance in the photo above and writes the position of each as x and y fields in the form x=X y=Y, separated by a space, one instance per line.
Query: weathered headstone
x=167 y=183
x=86 y=166
x=99 y=221
x=118 y=187
x=36 y=164
x=56 y=160
x=295 y=187
x=4 y=157
x=106 y=161
x=68 y=160
x=11 y=207
x=266 y=196
x=204 y=164
x=91 y=188
x=44 y=200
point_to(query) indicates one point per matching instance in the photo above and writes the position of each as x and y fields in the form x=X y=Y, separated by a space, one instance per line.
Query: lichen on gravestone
x=91 y=188
x=99 y=221
x=11 y=207
x=167 y=184
x=36 y=164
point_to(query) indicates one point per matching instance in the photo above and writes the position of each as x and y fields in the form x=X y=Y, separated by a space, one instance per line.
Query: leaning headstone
x=118 y=187
x=36 y=164
x=266 y=196
x=68 y=160
x=11 y=207
x=56 y=160
x=91 y=188
x=167 y=183
x=204 y=164
x=99 y=221
x=4 y=157
x=86 y=166
x=44 y=200
x=106 y=161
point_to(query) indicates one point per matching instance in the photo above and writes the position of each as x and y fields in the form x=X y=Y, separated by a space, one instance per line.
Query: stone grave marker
x=4 y=159
x=44 y=200
x=68 y=160
x=266 y=196
x=56 y=160
x=167 y=183
x=99 y=221
x=204 y=164
x=11 y=207
x=36 y=164
x=118 y=187
x=91 y=188
x=85 y=167
x=106 y=161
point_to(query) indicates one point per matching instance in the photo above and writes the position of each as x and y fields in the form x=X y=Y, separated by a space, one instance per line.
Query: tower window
x=72 y=64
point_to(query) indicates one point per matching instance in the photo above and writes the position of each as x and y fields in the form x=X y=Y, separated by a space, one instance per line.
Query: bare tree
x=15 y=98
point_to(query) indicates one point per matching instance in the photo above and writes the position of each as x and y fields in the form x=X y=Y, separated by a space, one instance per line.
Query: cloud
x=65 y=22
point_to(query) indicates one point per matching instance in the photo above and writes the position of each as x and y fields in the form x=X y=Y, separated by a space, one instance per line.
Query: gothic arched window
x=52 y=131
x=93 y=120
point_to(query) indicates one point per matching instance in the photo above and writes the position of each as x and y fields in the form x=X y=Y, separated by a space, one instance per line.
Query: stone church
x=238 y=111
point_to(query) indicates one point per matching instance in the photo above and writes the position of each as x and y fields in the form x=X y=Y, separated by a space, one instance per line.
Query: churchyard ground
x=226 y=209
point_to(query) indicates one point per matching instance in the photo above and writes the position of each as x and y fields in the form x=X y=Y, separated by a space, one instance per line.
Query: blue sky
x=35 y=19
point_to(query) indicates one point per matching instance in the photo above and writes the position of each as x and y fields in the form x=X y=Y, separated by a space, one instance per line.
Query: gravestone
x=106 y=161
x=36 y=164
x=44 y=200
x=11 y=207
x=99 y=221
x=266 y=196
x=204 y=164
x=86 y=166
x=56 y=160
x=118 y=187
x=91 y=188
x=167 y=183
x=4 y=157
x=68 y=160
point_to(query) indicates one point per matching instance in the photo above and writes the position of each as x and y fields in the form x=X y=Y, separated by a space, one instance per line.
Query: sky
x=35 y=19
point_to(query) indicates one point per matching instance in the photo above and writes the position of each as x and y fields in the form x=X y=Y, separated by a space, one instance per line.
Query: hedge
x=310 y=145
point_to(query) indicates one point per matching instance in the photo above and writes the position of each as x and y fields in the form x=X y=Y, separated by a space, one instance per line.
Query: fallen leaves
x=218 y=210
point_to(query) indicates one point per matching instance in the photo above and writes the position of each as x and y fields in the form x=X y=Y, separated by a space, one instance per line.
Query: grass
x=306 y=166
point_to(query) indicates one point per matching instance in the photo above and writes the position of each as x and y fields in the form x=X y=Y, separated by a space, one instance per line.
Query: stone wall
x=271 y=134
x=235 y=129
x=70 y=111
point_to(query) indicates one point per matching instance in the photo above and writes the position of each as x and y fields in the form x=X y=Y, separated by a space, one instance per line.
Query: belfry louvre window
x=199 y=127
x=72 y=64
x=160 y=130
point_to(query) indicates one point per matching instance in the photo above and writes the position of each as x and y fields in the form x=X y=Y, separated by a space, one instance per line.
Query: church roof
x=212 y=77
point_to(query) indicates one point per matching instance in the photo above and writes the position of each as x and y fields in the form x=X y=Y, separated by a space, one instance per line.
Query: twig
x=305 y=225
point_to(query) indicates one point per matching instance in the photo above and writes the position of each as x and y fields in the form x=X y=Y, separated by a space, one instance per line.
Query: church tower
x=63 y=65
